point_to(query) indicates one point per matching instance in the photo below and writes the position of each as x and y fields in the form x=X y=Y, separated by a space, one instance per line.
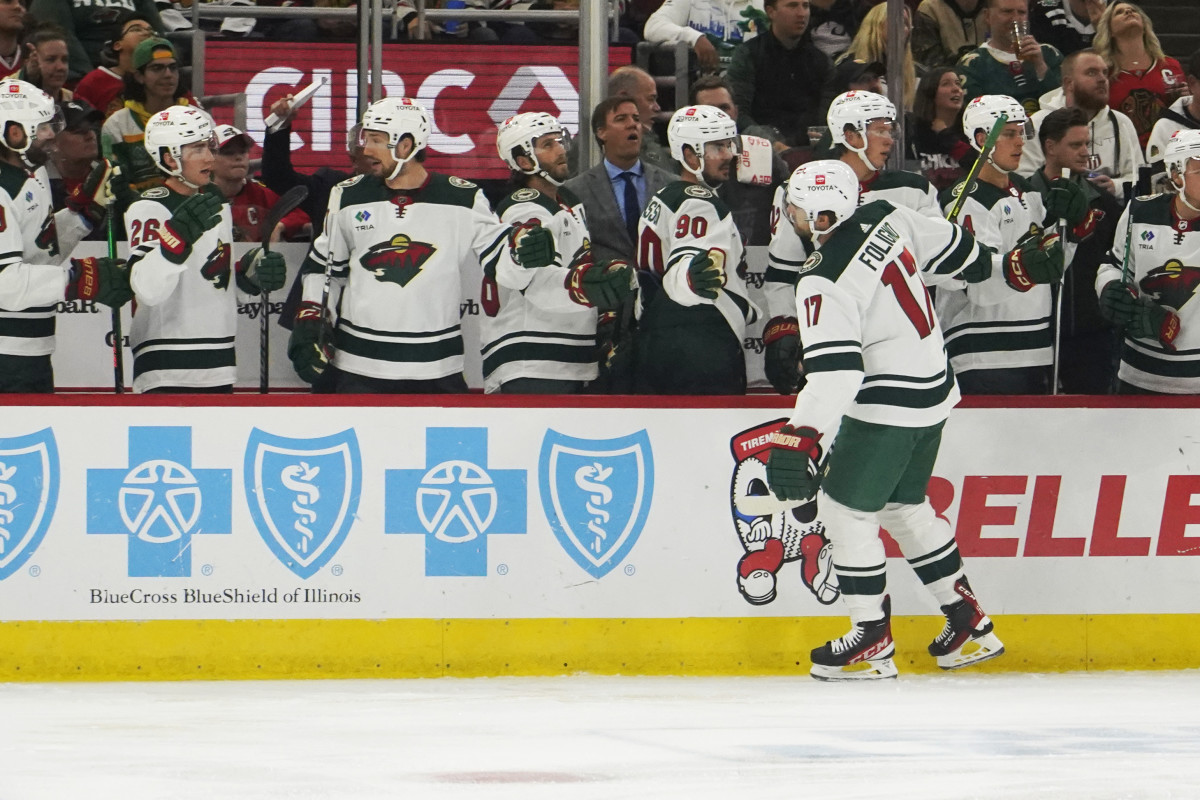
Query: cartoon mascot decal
x=774 y=531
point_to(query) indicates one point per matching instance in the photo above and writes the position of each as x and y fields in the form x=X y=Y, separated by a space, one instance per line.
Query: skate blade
x=876 y=669
x=975 y=651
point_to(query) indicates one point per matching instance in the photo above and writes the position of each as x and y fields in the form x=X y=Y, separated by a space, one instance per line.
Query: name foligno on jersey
x=874 y=253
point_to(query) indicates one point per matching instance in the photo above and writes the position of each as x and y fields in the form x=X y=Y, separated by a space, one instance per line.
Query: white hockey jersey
x=1165 y=265
x=184 y=315
x=872 y=346
x=397 y=259
x=537 y=330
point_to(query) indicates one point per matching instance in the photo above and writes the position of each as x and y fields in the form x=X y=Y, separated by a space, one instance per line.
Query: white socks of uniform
x=927 y=542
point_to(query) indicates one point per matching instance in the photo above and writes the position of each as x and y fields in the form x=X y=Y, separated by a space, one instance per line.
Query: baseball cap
x=153 y=50
x=228 y=133
x=852 y=70
x=78 y=115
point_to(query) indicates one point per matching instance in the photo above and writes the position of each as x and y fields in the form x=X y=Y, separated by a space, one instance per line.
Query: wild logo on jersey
x=1172 y=284
x=217 y=268
x=47 y=238
x=397 y=260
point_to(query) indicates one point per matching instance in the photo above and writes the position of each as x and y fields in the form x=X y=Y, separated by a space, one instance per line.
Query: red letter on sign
x=1105 y=541
x=1178 y=513
x=1039 y=539
x=974 y=513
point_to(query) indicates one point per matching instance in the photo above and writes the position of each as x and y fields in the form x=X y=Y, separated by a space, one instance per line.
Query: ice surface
x=1094 y=736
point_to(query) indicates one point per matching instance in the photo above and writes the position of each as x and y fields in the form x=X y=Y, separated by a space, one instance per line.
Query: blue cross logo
x=159 y=502
x=455 y=502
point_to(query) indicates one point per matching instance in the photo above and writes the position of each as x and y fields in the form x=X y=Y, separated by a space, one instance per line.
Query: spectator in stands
x=1114 y=152
x=249 y=200
x=946 y=30
x=713 y=29
x=104 y=87
x=1145 y=81
x=777 y=78
x=1069 y=25
x=76 y=149
x=1183 y=114
x=12 y=28
x=640 y=86
x=90 y=26
x=1023 y=69
x=1087 y=356
x=46 y=62
x=870 y=46
x=833 y=24
x=935 y=137
x=615 y=191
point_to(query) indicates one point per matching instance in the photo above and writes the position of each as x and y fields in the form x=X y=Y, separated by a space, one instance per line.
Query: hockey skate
x=967 y=638
x=865 y=653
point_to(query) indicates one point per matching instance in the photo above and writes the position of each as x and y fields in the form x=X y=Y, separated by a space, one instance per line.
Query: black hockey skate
x=865 y=653
x=967 y=638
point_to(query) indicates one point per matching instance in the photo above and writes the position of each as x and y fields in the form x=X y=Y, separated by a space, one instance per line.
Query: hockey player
x=1147 y=293
x=32 y=278
x=1000 y=341
x=877 y=374
x=395 y=246
x=541 y=338
x=180 y=262
x=696 y=312
x=861 y=125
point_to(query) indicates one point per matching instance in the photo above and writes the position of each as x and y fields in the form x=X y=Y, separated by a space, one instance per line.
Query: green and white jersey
x=872 y=346
x=536 y=330
x=989 y=326
x=787 y=251
x=32 y=280
x=1165 y=266
x=184 y=315
x=681 y=220
x=398 y=259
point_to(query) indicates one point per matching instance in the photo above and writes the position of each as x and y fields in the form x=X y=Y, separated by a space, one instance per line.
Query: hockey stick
x=1127 y=280
x=283 y=206
x=988 y=145
x=1056 y=293
x=118 y=345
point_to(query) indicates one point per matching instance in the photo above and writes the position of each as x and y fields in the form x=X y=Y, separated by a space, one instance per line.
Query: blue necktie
x=632 y=212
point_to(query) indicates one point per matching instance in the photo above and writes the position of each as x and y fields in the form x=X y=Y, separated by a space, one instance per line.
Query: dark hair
x=45 y=32
x=605 y=107
x=925 y=103
x=707 y=83
x=1056 y=124
x=1193 y=65
x=137 y=91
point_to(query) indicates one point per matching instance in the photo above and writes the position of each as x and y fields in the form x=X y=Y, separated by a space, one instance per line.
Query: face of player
x=1089 y=82
x=198 y=163
x=1191 y=180
x=621 y=135
x=718 y=160
x=378 y=153
x=718 y=98
x=551 y=152
x=880 y=138
x=1071 y=151
x=949 y=97
x=232 y=162
x=1009 y=146
x=161 y=78
x=1001 y=16
x=1125 y=19
x=52 y=60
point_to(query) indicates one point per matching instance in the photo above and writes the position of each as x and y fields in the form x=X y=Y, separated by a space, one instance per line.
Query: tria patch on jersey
x=397 y=260
x=811 y=263
x=697 y=191
x=522 y=195
x=460 y=183
x=157 y=193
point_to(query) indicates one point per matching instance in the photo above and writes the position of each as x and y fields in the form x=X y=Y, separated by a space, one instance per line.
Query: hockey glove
x=196 y=215
x=1065 y=200
x=532 y=246
x=103 y=280
x=304 y=349
x=781 y=337
x=1117 y=302
x=599 y=286
x=90 y=198
x=1036 y=259
x=792 y=466
x=706 y=273
x=1152 y=321
x=261 y=271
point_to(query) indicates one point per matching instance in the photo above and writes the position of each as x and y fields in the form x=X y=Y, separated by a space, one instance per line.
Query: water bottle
x=453 y=27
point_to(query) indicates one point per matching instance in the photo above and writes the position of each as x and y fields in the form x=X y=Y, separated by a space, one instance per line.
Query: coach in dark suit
x=615 y=191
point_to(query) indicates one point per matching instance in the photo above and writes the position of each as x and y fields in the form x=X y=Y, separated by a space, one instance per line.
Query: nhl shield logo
x=596 y=494
x=28 y=495
x=303 y=495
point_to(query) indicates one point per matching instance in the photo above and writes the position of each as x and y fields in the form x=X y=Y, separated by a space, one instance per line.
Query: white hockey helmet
x=28 y=107
x=518 y=135
x=171 y=130
x=399 y=117
x=857 y=110
x=696 y=126
x=828 y=185
x=1183 y=146
x=982 y=112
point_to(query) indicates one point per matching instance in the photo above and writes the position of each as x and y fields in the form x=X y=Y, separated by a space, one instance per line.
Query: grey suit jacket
x=606 y=226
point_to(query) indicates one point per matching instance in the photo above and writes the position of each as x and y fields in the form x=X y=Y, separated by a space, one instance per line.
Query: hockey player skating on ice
x=32 y=278
x=697 y=309
x=1149 y=292
x=181 y=267
x=394 y=248
x=862 y=125
x=1000 y=341
x=540 y=338
x=875 y=363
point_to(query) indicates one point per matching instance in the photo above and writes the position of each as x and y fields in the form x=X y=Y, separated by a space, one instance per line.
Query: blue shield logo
x=28 y=495
x=303 y=495
x=596 y=494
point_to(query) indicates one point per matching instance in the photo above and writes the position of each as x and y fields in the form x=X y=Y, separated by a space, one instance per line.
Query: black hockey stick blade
x=285 y=205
